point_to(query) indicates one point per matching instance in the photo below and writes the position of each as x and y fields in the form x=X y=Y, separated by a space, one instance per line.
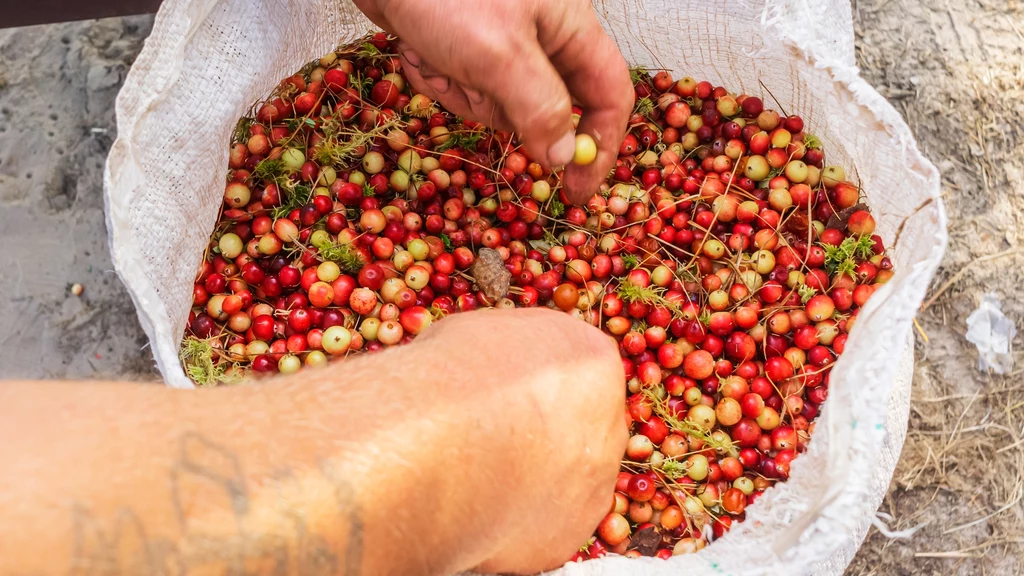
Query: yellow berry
x=586 y=150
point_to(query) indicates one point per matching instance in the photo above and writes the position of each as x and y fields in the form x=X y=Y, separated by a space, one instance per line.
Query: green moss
x=465 y=139
x=842 y=259
x=339 y=146
x=661 y=409
x=651 y=296
x=556 y=209
x=643 y=107
x=638 y=74
x=197 y=358
x=674 y=469
x=270 y=169
x=242 y=130
x=293 y=196
x=346 y=257
x=705 y=317
x=630 y=261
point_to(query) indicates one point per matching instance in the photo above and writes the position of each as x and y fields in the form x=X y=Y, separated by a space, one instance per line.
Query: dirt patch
x=57 y=90
x=954 y=71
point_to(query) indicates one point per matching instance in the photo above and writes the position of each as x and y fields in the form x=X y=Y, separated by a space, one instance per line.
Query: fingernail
x=561 y=152
x=438 y=83
x=410 y=55
x=474 y=96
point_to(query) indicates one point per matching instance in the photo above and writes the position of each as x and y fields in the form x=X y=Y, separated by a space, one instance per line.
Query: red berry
x=641 y=488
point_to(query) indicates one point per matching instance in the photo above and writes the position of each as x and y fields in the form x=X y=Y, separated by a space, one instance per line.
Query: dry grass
x=954 y=69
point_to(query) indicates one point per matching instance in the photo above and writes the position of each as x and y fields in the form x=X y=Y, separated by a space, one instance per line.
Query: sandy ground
x=57 y=90
x=955 y=68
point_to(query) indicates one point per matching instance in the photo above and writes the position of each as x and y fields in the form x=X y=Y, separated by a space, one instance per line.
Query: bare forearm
x=282 y=478
x=432 y=458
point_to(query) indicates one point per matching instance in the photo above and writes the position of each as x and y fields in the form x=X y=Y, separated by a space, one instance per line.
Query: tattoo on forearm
x=348 y=507
x=215 y=513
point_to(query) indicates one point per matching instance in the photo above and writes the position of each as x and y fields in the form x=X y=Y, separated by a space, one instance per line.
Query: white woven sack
x=207 y=61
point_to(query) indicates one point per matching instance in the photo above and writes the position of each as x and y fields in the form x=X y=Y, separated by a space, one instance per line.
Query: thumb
x=493 y=51
x=533 y=97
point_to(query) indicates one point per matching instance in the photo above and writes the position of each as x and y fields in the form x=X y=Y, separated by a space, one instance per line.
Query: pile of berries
x=722 y=253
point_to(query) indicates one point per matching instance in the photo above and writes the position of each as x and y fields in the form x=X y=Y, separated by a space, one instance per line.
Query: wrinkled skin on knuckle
x=558 y=20
x=550 y=117
x=484 y=41
x=628 y=96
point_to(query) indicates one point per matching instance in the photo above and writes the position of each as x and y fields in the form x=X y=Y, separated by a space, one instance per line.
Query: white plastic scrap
x=879 y=521
x=992 y=332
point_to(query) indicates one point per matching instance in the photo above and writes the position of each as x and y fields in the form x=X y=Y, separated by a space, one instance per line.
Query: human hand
x=539 y=401
x=491 y=442
x=517 y=65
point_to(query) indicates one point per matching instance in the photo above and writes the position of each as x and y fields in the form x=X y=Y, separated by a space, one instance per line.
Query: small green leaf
x=806 y=293
x=242 y=130
x=465 y=139
x=763 y=184
x=651 y=295
x=674 y=469
x=643 y=106
x=638 y=74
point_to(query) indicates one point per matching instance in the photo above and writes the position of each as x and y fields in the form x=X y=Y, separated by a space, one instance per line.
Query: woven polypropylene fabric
x=208 y=61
